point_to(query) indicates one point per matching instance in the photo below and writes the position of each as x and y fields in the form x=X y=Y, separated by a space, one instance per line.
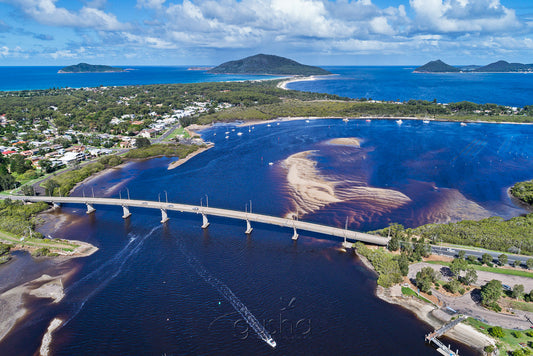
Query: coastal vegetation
x=514 y=235
x=18 y=218
x=89 y=68
x=509 y=341
x=501 y=66
x=267 y=64
x=4 y=253
x=385 y=264
x=169 y=150
x=523 y=191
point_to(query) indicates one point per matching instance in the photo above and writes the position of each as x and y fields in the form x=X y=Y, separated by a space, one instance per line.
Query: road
x=453 y=252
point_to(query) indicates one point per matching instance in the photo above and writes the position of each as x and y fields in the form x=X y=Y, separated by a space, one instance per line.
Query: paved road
x=453 y=252
x=350 y=235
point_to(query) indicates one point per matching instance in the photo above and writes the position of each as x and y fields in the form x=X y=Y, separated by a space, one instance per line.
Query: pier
x=205 y=211
x=433 y=337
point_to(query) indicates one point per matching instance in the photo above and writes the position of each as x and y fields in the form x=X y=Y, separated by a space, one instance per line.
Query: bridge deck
x=233 y=214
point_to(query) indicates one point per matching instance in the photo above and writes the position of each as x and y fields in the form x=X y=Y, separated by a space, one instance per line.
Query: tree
x=394 y=244
x=403 y=263
x=472 y=259
x=49 y=187
x=486 y=258
x=457 y=266
x=141 y=142
x=28 y=190
x=46 y=165
x=491 y=292
x=516 y=263
x=529 y=263
x=497 y=331
x=461 y=254
x=425 y=278
x=470 y=276
x=502 y=259
x=518 y=291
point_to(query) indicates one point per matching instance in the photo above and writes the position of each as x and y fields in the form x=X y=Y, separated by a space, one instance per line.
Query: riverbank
x=181 y=161
x=429 y=313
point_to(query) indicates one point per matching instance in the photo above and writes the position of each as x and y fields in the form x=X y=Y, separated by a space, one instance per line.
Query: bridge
x=349 y=236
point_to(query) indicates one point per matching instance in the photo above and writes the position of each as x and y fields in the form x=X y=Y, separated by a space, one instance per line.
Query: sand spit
x=47 y=338
x=311 y=191
x=181 y=161
x=11 y=304
x=454 y=206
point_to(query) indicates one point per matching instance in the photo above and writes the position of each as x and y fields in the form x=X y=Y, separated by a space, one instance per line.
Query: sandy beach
x=283 y=84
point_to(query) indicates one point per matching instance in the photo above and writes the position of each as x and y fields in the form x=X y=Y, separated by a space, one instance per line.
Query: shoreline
x=428 y=314
x=185 y=159
x=283 y=84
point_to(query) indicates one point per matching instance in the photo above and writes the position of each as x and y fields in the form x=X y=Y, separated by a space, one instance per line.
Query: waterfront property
x=347 y=235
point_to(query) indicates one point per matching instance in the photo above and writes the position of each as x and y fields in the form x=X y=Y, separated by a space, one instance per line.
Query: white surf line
x=227 y=294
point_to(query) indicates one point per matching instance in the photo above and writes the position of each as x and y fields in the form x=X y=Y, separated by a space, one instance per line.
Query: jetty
x=432 y=338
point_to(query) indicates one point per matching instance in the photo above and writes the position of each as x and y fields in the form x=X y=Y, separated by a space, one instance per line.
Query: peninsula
x=267 y=64
x=90 y=68
x=501 y=66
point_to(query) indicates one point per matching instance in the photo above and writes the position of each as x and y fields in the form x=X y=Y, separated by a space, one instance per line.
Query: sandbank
x=47 y=338
x=283 y=84
x=11 y=302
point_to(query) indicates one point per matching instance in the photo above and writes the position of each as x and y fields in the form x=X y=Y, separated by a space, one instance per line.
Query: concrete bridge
x=349 y=236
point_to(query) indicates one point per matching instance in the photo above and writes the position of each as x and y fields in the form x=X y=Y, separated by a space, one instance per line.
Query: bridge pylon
x=164 y=216
x=249 y=228
x=295 y=234
x=205 y=222
x=90 y=208
x=125 y=212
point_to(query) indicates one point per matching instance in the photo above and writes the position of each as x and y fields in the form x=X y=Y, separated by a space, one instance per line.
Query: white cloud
x=46 y=12
x=455 y=16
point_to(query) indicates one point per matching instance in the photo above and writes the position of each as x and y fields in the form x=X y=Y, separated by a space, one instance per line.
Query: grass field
x=509 y=341
x=409 y=292
x=511 y=272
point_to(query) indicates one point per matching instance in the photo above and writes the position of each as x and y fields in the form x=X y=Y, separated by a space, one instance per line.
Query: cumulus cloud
x=448 y=16
x=46 y=12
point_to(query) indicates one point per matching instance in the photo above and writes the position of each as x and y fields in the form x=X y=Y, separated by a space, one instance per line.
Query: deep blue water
x=152 y=288
x=400 y=83
x=25 y=78
x=379 y=83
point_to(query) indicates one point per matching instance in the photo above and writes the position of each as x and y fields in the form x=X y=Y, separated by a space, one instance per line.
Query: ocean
x=379 y=83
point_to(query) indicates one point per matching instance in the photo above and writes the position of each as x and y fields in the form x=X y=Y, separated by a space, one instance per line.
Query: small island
x=267 y=64
x=501 y=66
x=90 y=68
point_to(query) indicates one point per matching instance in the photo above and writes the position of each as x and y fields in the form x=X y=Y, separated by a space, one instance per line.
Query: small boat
x=306 y=120
x=232 y=129
x=345 y=119
x=227 y=137
x=277 y=123
x=426 y=121
x=268 y=125
x=271 y=342
x=399 y=122
x=270 y=163
x=463 y=124
x=227 y=132
x=368 y=120
x=239 y=133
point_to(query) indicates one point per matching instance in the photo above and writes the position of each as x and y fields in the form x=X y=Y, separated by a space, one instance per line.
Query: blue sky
x=320 y=32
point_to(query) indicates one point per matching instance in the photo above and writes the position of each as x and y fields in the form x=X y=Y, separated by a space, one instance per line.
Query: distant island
x=267 y=64
x=89 y=68
x=439 y=66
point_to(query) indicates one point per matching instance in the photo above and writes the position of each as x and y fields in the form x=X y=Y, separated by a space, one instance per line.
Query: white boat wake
x=224 y=290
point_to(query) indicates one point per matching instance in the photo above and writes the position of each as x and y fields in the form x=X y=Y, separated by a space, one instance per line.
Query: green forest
x=514 y=235
x=523 y=191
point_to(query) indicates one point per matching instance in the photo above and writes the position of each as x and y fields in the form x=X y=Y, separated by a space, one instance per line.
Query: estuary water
x=176 y=289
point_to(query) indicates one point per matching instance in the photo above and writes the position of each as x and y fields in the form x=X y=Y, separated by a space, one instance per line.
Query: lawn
x=509 y=341
x=408 y=291
x=511 y=272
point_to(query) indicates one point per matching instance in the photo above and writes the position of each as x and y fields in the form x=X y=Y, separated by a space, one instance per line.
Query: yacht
x=399 y=122
x=426 y=121
x=271 y=342
x=463 y=124
x=345 y=119
x=239 y=133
